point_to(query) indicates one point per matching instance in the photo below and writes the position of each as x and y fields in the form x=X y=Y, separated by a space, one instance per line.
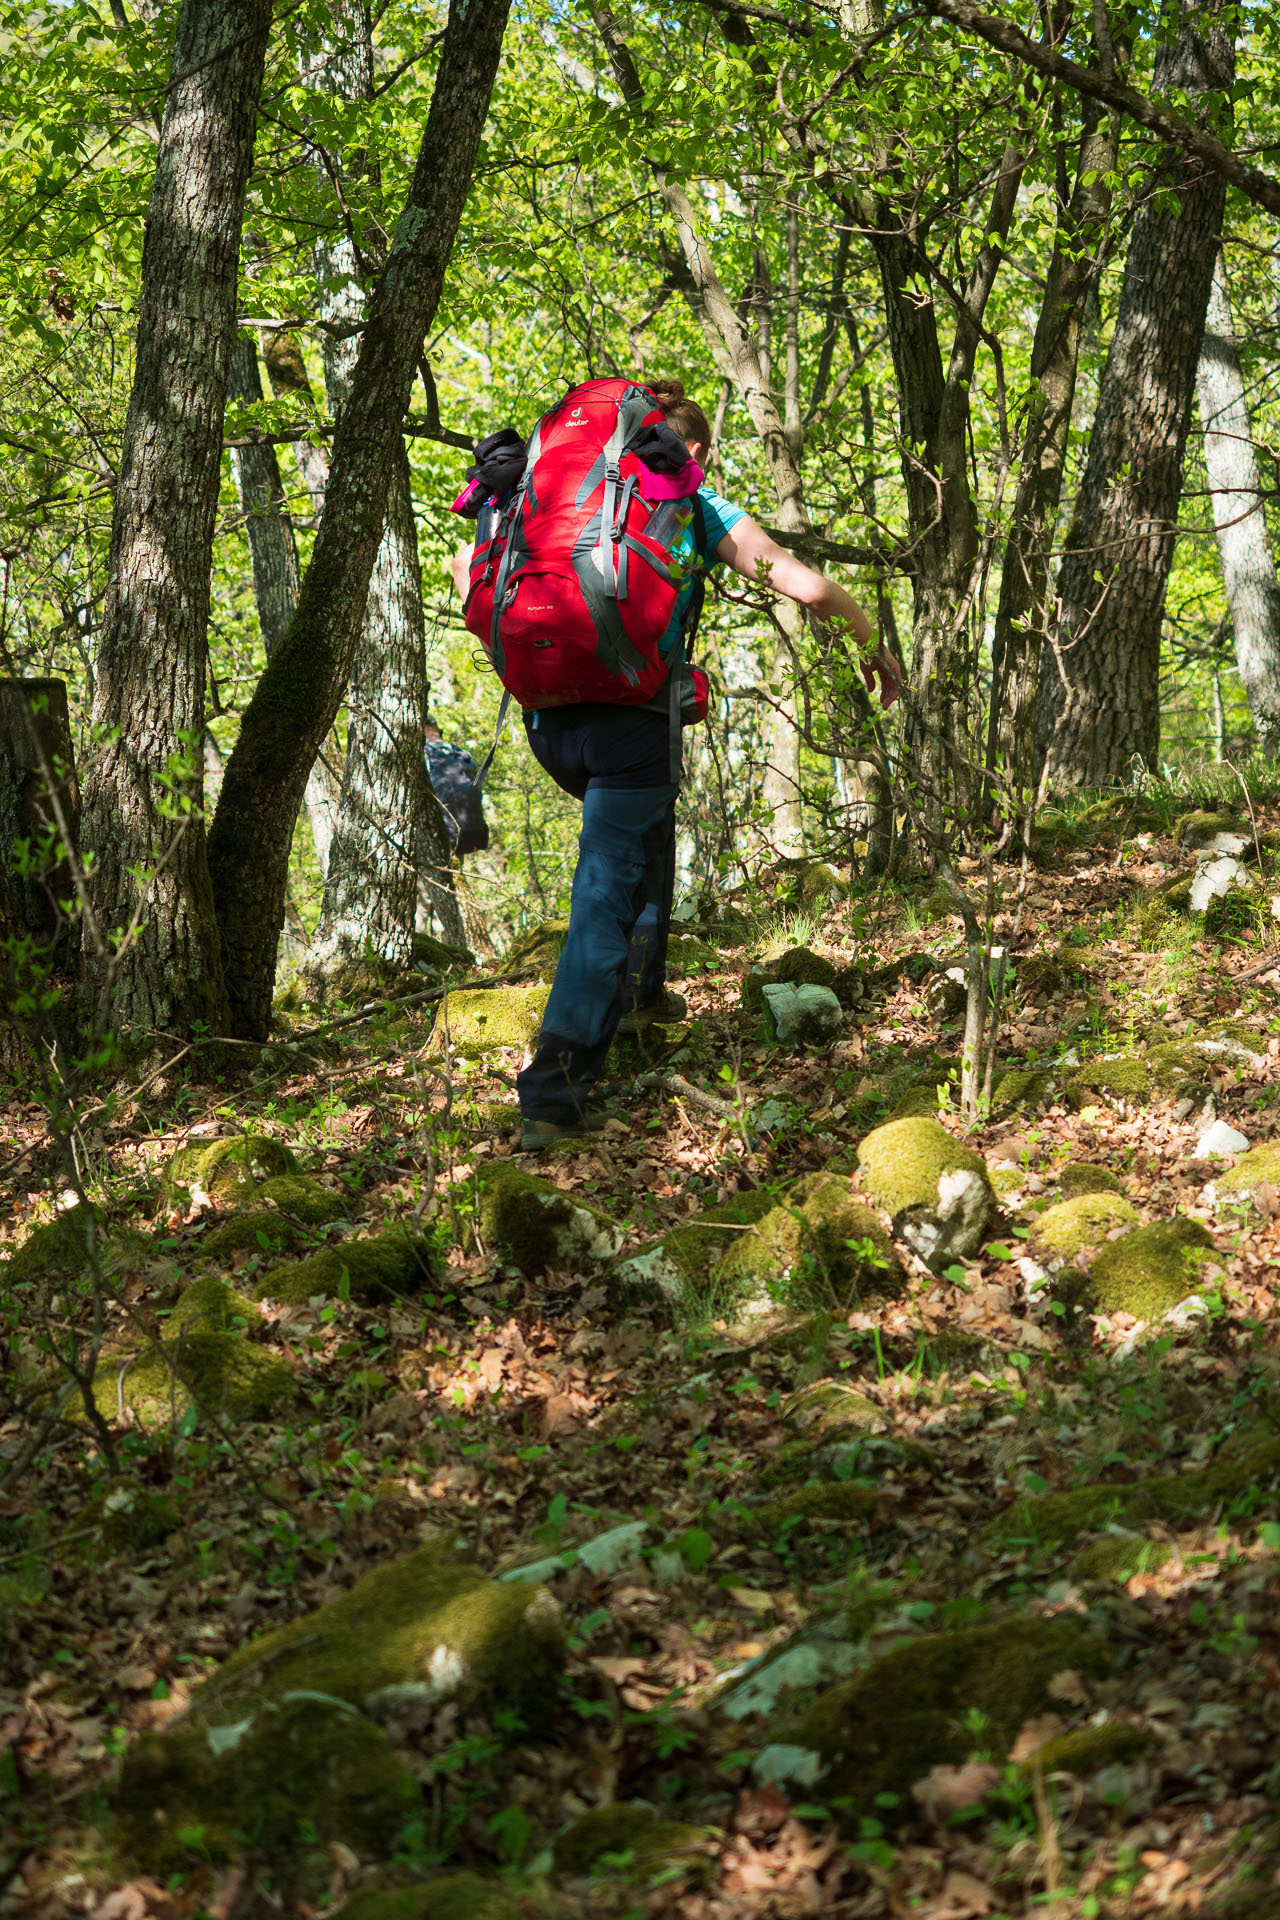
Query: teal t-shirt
x=718 y=517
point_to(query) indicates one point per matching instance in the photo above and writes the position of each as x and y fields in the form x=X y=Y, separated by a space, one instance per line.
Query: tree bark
x=388 y=814
x=298 y=696
x=144 y=794
x=1244 y=545
x=273 y=552
x=1025 y=606
x=1100 y=711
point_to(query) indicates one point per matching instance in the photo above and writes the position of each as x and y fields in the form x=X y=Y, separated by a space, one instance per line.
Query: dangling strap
x=487 y=762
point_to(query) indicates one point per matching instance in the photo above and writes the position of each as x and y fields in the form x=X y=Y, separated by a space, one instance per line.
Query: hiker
x=452 y=773
x=550 y=607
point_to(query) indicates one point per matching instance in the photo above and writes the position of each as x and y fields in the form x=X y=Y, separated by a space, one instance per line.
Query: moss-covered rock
x=847 y=1502
x=921 y=1704
x=688 y=955
x=1260 y=1166
x=220 y=1373
x=483 y=1018
x=537 y=1226
x=486 y=1116
x=1085 y=1221
x=630 y=1828
x=1020 y=1087
x=539 y=947
x=1056 y=1519
x=1006 y=1181
x=182 y=1800
x=903 y=1161
x=1086 y=1749
x=1082 y=1176
x=1152 y=1269
x=285 y=1730
x=817 y=885
x=209 y=1305
x=453 y=1896
x=1200 y=828
x=384 y=1268
x=800 y=967
x=677 y=1268
x=820 y=1245
x=1043 y=976
x=828 y=1407
x=302 y=1198
x=230 y=1171
x=1127 y=813
x=260 y=1230
x=1177 y=1065
x=919 y=1102
x=60 y=1249
x=436 y=958
x=1125 y=1077
x=1117 y=1555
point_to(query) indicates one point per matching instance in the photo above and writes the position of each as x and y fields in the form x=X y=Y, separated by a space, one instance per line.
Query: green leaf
x=696 y=1547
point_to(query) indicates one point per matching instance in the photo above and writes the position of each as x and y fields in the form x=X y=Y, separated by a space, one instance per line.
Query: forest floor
x=531 y=1413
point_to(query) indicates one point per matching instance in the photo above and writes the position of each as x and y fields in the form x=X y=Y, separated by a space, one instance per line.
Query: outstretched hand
x=883 y=664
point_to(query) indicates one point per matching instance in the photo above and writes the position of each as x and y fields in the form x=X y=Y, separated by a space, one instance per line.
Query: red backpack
x=573 y=584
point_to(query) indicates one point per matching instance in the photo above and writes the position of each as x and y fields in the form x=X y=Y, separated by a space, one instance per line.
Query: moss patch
x=60 y=1250
x=822 y=1245
x=1117 y=1555
x=532 y=1223
x=800 y=967
x=1084 y=1221
x=847 y=1501
x=1081 y=1176
x=230 y=1171
x=433 y=956
x=1150 y=1270
x=260 y=1230
x=886 y=1727
x=627 y=1828
x=128 y=1519
x=372 y=1270
x=209 y=1305
x=1020 y=1087
x=487 y=1017
x=818 y=885
x=539 y=947
x=903 y=1161
x=1086 y=1749
x=1197 y=829
x=1056 y=1519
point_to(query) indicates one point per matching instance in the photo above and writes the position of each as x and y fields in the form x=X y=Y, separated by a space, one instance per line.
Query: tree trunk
x=273 y=552
x=1100 y=710
x=388 y=814
x=1248 y=564
x=1025 y=604
x=151 y=960
x=298 y=696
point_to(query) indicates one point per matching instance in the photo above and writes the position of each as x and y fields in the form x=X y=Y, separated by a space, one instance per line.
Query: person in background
x=453 y=777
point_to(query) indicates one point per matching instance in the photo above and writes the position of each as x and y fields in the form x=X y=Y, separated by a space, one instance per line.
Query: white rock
x=1220 y=1139
x=1215 y=878
x=954 y=1229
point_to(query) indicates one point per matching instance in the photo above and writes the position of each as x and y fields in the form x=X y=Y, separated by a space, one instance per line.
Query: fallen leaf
x=944 y=1790
x=966 y=1894
x=560 y=1416
x=618 y=1668
x=1033 y=1734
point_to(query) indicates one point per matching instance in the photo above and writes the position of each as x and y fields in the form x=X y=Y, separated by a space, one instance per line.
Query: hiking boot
x=671 y=1008
x=537 y=1134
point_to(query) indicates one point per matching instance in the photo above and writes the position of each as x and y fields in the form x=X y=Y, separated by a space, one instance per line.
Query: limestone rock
x=535 y=1225
x=818 y=885
x=258 y=1230
x=373 y=1270
x=435 y=957
x=1151 y=1269
x=1220 y=1139
x=230 y=1171
x=483 y=1018
x=1218 y=877
x=883 y=1729
x=1200 y=829
x=801 y=967
x=289 y=1727
x=803 y=1015
x=1020 y=1087
x=220 y=1372
x=60 y=1250
x=302 y=1198
x=947 y=994
x=1056 y=1519
x=915 y=1167
x=1121 y=1078
x=1259 y=1167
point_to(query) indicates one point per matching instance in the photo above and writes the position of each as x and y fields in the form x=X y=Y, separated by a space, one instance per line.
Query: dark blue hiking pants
x=616 y=760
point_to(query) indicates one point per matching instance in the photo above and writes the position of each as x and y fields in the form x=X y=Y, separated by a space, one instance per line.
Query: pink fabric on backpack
x=670 y=486
x=466 y=500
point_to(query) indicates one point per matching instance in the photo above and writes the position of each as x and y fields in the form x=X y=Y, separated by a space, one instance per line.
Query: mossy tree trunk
x=273 y=551
x=1099 y=714
x=151 y=958
x=298 y=696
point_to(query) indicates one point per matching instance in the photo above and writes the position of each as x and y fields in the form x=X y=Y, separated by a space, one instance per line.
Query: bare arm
x=462 y=568
x=747 y=548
